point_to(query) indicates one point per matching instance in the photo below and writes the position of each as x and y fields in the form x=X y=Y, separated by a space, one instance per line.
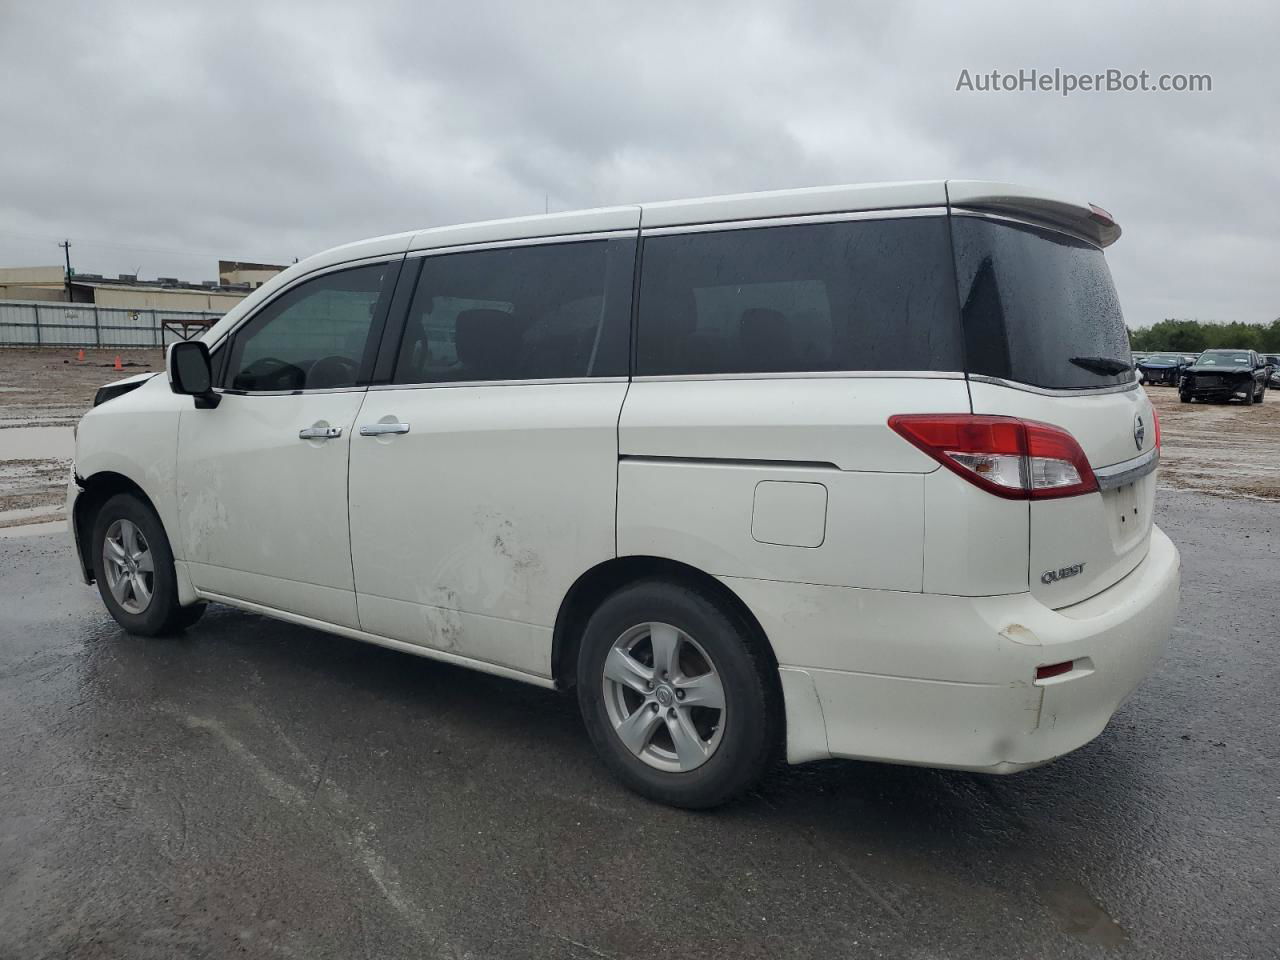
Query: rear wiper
x=1103 y=364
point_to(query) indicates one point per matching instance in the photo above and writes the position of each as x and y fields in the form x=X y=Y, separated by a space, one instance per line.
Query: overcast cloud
x=161 y=137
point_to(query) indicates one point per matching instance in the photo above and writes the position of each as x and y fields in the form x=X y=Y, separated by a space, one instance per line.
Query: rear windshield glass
x=1038 y=307
x=854 y=295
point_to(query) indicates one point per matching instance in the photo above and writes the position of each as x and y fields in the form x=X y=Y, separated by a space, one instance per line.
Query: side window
x=856 y=295
x=311 y=338
x=520 y=313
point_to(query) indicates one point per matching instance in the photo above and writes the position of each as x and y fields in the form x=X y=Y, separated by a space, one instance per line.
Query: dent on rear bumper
x=949 y=681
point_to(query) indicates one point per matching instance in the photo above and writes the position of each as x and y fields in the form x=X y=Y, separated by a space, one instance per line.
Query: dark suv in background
x=1273 y=367
x=1225 y=375
x=1165 y=368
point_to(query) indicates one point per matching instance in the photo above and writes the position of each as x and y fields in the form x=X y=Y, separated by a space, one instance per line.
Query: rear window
x=1038 y=307
x=855 y=295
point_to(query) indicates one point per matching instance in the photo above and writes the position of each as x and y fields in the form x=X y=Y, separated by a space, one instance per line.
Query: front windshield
x=1222 y=359
x=1163 y=358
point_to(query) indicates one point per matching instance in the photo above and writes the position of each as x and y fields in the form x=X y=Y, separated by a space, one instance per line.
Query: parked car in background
x=744 y=472
x=1162 y=368
x=1223 y=375
x=1273 y=365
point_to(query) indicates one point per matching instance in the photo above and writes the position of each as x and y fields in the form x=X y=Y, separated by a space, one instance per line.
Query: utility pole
x=66 y=248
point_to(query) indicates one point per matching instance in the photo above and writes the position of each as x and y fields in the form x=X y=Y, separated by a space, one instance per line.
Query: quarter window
x=313 y=337
x=554 y=311
x=855 y=295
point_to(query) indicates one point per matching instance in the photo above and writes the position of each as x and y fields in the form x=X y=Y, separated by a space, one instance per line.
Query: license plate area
x=1125 y=513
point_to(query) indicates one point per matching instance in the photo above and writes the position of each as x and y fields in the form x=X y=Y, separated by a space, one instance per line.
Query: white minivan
x=841 y=472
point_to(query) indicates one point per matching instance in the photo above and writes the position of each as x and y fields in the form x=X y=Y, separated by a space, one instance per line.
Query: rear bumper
x=951 y=683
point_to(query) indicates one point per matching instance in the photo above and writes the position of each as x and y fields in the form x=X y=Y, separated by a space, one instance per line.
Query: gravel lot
x=1226 y=449
x=43 y=392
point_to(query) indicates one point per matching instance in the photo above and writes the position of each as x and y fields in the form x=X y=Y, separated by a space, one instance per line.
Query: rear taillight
x=1155 y=422
x=1017 y=459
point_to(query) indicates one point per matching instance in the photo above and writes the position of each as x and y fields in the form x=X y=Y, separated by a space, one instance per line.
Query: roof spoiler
x=1083 y=219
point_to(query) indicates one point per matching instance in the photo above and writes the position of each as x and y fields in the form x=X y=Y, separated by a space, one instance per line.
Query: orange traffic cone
x=80 y=356
x=119 y=365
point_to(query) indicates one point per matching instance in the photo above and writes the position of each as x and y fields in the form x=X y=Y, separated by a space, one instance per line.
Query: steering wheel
x=332 y=371
x=270 y=373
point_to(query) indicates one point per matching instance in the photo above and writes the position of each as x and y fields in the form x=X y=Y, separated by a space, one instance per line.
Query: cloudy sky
x=162 y=137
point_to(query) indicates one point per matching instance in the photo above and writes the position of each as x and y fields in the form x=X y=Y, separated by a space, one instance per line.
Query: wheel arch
x=96 y=490
x=593 y=586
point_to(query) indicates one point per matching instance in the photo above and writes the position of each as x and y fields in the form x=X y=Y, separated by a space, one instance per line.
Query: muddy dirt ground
x=43 y=392
x=1227 y=450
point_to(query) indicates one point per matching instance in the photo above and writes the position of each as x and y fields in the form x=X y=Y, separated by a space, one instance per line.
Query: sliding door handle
x=319 y=433
x=381 y=429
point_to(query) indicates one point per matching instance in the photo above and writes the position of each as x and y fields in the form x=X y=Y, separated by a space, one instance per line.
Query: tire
x=723 y=751
x=141 y=592
x=1184 y=396
x=1248 y=398
x=1262 y=394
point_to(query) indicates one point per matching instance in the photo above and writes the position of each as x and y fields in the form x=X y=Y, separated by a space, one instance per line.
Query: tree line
x=1193 y=336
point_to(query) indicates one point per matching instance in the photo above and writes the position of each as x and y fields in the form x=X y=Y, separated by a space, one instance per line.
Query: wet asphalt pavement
x=260 y=789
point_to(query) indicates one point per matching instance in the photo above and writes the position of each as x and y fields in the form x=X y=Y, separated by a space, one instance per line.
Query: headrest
x=764 y=339
x=760 y=325
x=487 y=342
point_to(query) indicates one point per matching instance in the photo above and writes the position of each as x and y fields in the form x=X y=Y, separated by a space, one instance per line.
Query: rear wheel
x=679 y=700
x=133 y=565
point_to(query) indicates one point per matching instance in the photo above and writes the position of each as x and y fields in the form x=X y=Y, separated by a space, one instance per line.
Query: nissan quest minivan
x=855 y=472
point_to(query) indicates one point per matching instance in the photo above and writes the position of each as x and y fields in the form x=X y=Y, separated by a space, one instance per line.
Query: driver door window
x=313 y=337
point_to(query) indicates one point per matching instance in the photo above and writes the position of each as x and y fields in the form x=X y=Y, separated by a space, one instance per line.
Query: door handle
x=319 y=433
x=381 y=429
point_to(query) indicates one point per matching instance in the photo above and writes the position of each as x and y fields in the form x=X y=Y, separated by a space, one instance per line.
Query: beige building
x=235 y=281
x=232 y=272
x=32 y=283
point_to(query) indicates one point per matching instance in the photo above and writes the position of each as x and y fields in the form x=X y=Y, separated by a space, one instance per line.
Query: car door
x=262 y=478
x=484 y=474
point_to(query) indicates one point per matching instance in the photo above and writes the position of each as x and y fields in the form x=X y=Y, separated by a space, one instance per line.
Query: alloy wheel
x=664 y=697
x=128 y=566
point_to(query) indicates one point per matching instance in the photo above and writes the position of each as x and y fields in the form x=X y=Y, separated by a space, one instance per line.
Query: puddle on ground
x=30 y=514
x=1079 y=914
x=34 y=529
x=37 y=443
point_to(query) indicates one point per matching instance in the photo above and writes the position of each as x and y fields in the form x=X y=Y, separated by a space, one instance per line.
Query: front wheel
x=133 y=565
x=1248 y=397
x=1184 y=396
x=679 y=698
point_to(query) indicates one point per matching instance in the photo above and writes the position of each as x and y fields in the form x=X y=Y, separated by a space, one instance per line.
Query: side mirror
x=191 y=373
